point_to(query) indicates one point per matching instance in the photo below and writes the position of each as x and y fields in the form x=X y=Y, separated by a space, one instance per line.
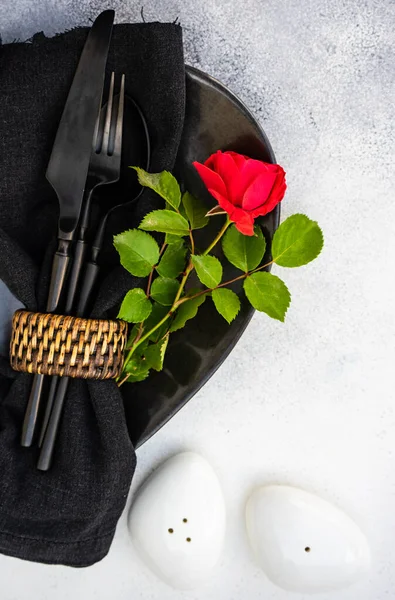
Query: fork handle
x=48 y=408
x=32 y=411
x=75 y=274
x=48 y=443
x=90 y=277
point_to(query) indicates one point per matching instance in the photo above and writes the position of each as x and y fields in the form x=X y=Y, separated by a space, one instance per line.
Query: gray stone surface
x=311 y=402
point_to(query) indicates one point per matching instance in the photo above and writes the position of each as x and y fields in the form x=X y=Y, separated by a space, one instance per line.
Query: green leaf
x=132 y=336
x=157 y=314
x=187 y=310
x=195 y=211
x=171 y=238
x=165 y=221
x=267 y=293
x=226 y=302
x=135 y=306
x=134 y=377
x=297 y=241
x=164 y=184
x=155 y=354
x=182 y=211
x=208 y=269
x=138 y=251
x=243 y=251
x=173 y=260
x=137 y=368
x=136 y=365
x=164 y=290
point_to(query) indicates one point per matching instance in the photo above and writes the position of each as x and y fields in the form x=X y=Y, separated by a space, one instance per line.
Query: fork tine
x=119 y=124
x=107 y=123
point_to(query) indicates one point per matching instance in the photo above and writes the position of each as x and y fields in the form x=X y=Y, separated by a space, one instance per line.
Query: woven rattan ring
x=67 y=346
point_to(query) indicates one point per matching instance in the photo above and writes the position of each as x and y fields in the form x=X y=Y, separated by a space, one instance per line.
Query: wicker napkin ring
x=67 y=346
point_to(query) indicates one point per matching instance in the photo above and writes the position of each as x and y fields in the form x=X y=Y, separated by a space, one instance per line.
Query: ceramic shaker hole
x=171 y=530
x=180 y=538
x=302 y=542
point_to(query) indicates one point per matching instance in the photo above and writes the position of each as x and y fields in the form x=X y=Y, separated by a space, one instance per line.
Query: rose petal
x=223 y=202
x=227 y=165
x=239 y=159
x=210 y=178
x=277 y=193
x=243 y=176
x=211 y=162
x=259 y=191
x=271 y=203
x=253 y=168
x=226 y=168
x=244 y=222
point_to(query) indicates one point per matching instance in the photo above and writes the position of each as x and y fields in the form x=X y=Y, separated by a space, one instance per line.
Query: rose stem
x=224 y=284
x=192 y=242
x=123 y=380
x=218 y=237
x=177 y=301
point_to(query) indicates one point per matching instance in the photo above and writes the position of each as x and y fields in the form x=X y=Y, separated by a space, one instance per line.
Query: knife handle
x=59 y=269
x=58 y=276
x=73 y=279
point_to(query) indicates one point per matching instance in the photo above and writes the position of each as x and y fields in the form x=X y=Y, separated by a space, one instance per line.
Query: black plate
x=215 y=119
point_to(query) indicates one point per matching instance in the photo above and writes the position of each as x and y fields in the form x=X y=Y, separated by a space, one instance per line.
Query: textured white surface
x=309 y=403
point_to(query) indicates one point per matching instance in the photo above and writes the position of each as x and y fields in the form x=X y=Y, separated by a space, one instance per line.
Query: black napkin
x=68 y=515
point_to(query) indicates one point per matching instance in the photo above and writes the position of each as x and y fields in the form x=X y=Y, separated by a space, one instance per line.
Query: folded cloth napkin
x=68 y=515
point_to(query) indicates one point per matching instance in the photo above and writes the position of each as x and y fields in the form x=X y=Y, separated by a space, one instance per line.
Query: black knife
x=68 y=168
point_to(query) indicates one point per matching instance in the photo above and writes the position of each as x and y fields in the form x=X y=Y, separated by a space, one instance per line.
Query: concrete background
x=311 y=402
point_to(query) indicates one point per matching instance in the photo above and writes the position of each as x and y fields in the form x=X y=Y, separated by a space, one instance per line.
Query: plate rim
x=201 y=76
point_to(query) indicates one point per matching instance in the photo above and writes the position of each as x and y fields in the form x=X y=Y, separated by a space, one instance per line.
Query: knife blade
x=67 y=171
x=68 y=165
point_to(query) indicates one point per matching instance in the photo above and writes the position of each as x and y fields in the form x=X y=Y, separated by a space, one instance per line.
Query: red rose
x=245 y=188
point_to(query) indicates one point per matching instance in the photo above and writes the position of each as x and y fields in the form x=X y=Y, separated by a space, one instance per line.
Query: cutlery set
x=85 y=156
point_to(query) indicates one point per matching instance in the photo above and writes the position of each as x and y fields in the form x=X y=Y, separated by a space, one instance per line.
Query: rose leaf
x=155 y=353
x=268 y=293
x=135 y=306
x=138 y=251
x=243 y=251
x=188 y=310
x=164 y=184
x=165 y=221
x=226 y=302
x=297 y=241
x=195 y=211
x=164 y=290
x=208 y=269
x=173 y=260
